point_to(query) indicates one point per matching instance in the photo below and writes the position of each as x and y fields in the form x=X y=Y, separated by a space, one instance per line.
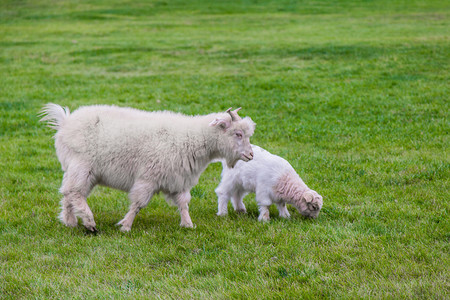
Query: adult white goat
x=273 y=180
x=141 y=153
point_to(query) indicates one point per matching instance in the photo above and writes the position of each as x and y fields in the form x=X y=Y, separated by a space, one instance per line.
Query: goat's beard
x=231 y=163
x=232 y=160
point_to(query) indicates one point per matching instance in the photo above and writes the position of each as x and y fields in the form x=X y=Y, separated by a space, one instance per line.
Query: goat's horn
x=234 y=114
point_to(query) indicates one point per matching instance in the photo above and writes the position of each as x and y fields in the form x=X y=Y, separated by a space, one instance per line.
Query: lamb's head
x=309 y=204
x=234 y=136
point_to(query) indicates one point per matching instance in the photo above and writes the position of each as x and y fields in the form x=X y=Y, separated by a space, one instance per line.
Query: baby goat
x=273 y=180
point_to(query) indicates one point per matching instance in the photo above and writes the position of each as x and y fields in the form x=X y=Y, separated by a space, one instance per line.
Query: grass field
x=355 y=94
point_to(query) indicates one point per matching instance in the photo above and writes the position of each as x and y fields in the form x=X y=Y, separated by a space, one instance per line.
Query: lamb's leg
x=282 y=209
x=238 y=204
x=223 y=196
x=77 y=184
x=222 y=207
x=263 y=213
x=140 y=195
x=182 y=200
x=264 y=202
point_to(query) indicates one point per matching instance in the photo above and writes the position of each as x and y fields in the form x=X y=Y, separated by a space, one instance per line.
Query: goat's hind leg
x=77 y=184
x=67 y=215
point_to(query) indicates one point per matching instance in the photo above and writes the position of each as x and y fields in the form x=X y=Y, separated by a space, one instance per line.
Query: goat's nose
x=251 y=154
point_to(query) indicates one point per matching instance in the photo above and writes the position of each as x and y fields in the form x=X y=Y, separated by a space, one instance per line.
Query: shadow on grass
x=327 y=52
x=110 y=50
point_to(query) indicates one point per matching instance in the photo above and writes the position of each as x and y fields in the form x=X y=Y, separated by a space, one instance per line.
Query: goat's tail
x=54 y=115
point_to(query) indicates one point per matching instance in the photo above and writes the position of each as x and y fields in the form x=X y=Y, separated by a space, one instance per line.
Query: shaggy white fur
x=140 y=152
x=273 y=180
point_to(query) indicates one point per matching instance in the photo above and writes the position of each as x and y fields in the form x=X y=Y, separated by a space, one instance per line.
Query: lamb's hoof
x=71 y=224
x=222 y=214
x=241 y=211
x=187 y=225
x=264 y=218
x=69 y=221
x=125 y=228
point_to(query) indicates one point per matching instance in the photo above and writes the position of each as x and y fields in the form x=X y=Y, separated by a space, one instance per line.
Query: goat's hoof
x=241 y=211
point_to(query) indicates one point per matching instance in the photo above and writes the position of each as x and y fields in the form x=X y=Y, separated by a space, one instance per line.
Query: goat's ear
x=222 y=123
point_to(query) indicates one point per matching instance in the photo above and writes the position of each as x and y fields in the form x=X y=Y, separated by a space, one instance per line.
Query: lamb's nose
x=251 y=154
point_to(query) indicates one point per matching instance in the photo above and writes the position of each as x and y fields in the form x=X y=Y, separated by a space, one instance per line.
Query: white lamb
x=140 y=152
x=273 y=180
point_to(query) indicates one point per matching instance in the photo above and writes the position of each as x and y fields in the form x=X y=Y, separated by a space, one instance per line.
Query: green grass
x=353 y=93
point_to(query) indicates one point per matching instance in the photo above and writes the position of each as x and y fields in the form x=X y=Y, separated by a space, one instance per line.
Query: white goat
x=273 y=180
x=141 y=153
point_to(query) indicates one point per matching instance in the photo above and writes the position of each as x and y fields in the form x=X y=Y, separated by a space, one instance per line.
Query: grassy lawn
x=355 y=94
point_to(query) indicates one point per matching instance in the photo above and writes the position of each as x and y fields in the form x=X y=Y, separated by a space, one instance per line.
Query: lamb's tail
x=54 y=115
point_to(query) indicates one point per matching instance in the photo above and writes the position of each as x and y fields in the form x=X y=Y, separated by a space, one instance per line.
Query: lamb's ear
x=222 y=123
x=309 y=197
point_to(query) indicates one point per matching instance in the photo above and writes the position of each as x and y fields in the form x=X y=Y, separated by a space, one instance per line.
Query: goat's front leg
x=140 y=194
x=182 y=200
